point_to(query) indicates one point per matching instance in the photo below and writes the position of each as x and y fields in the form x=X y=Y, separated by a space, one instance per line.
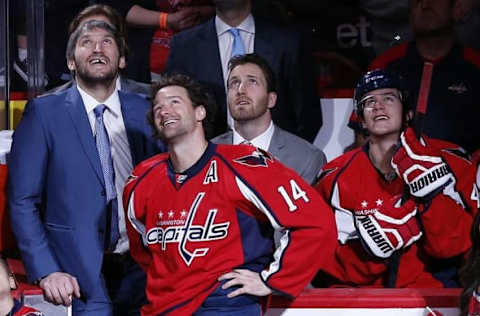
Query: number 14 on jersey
x=293 y=195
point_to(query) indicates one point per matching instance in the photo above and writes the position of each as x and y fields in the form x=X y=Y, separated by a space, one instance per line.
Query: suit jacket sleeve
x=28 y=163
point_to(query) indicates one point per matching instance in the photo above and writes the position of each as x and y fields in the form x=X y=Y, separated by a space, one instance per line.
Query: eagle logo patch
x=258 y=158
x=325 y=172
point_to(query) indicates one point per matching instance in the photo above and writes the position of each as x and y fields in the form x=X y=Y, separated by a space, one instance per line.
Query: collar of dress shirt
x=118 y=84
x=247 y=25
x=261 y=141
x=112 y=102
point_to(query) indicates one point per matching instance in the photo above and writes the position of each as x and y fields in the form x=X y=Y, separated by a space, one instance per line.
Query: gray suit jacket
x=293 y=151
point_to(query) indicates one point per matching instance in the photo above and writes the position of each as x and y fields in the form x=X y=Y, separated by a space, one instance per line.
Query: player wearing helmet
x=398 y=201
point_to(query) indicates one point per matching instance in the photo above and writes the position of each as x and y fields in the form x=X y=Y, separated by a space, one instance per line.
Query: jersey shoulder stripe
x=244 y=186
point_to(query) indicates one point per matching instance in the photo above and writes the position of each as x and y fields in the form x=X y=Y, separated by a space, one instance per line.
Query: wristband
x=162 y=20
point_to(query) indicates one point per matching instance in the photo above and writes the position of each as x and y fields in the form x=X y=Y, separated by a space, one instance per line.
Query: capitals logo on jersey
x=188 y=232
x=258 y=158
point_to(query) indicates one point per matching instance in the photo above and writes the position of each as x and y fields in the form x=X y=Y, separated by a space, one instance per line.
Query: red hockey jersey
x=187 y=229
x=351 y=183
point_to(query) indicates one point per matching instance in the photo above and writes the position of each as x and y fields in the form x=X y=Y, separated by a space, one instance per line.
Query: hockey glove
x=383 y=234
x=420 y=166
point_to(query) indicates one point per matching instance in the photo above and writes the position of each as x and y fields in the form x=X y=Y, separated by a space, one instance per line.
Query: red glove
x=421 y=166
x=391 y=227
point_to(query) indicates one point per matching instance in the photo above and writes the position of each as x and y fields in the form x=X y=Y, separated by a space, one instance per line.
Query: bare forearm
x=138 y=16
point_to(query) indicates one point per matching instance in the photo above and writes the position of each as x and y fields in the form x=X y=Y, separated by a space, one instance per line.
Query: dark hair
x=112 y=15
x=91 y=25
x=260 y=62
x=198 y=94
x=469 y=272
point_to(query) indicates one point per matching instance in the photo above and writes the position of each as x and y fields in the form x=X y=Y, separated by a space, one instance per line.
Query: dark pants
x=126 y=283
x=218 y=304
x=250 y=310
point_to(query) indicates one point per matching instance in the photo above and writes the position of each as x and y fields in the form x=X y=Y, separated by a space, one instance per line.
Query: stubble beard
x=251 y=113
x=92 y=79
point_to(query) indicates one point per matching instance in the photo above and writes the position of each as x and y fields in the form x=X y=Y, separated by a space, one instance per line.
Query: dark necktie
x=103 y=146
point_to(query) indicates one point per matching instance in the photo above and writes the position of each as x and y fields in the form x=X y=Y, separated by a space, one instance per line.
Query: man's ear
x=13 y=283
x=71 y=65
x=272 y=100
x=200 y=113
x=122 y=63
x=409 y=117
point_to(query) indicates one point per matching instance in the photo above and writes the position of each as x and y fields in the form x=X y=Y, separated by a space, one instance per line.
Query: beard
x=247 y=115
x=250 y=112
x=92 y=78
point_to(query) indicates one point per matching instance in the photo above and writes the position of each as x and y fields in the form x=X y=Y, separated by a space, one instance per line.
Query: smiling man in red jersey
x=202 y=217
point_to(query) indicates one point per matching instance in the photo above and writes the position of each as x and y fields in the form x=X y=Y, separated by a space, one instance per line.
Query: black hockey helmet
x=380 y=79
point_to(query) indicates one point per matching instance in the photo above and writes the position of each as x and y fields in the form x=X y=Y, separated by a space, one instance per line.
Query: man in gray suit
x=251 y=94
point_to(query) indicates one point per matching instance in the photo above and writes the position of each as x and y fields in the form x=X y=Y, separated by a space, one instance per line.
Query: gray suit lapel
x=277 y=144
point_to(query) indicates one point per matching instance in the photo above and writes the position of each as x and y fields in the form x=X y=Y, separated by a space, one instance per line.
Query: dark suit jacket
x=127 y=85
x=195 y=52
x=56 y=187
x=296 y=153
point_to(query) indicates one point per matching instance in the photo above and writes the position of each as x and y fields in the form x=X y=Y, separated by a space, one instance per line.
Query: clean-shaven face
x=382 y=112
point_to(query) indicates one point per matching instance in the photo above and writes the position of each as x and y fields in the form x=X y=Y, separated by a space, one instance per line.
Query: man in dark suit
x=251 y=94
x=70 y=157
x=203 y=53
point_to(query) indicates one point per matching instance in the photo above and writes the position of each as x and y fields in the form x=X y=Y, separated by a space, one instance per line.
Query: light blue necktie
x=103 y=147
x=238 y=48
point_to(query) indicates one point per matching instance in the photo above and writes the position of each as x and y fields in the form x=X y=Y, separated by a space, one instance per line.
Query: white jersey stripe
x=344 y=218
x=137 y=224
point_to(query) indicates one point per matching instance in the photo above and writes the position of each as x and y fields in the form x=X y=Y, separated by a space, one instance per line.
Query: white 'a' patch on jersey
x=211 y=175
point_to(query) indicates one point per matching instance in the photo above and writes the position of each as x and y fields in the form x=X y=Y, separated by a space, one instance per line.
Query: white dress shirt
x=225 y=45
x=120 y=150
x=261 y=141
